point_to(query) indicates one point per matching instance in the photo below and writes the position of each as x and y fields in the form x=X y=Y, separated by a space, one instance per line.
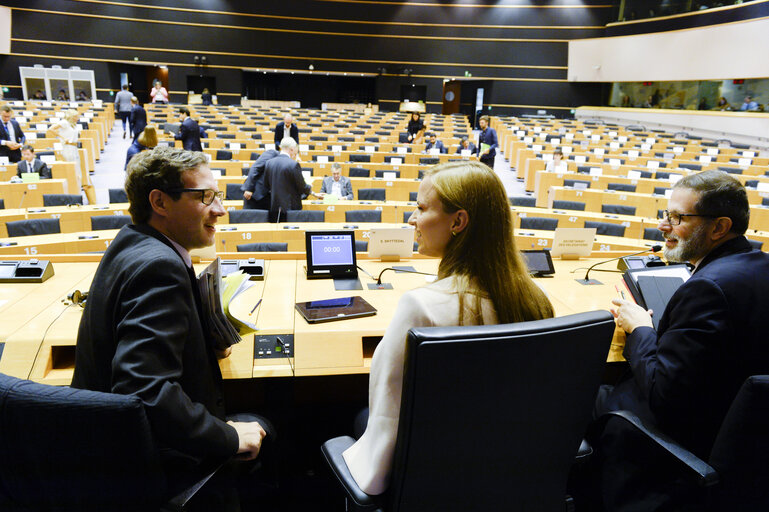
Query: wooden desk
x=40 y=331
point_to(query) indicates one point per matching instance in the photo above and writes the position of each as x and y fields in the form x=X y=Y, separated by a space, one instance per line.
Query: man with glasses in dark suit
x=711 y=337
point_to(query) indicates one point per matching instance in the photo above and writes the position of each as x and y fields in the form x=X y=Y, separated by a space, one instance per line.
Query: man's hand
x=13 y=145
x=247 y=195
x=250 y=435
x=630 y=315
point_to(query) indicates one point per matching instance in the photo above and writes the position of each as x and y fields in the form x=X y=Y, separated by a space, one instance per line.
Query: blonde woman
x=463 y=217
x=66 y=131
x=147 y=139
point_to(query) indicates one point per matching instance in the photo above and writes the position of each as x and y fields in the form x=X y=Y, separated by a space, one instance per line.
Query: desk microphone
x=23 y=195
x=653 y=248
x=379 y=278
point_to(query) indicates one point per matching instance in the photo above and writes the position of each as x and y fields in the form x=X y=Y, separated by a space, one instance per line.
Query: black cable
x=379 y=278
x=362 y=270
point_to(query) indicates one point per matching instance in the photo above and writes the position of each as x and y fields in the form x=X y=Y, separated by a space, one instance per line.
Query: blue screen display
x=331 y=250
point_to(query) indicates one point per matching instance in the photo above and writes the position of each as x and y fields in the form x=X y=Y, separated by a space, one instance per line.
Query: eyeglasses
x=674 y=219
x=207 y=195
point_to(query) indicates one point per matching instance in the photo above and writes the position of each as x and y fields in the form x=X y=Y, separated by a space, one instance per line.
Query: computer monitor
x=331 y=254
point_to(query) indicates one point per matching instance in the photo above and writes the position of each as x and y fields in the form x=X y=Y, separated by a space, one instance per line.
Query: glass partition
x=693 y=95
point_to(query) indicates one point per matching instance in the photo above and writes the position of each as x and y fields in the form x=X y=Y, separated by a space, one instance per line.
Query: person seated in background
x=62 y=96
x=29 y=163
x=460 y=206
x=336 y=184
x=206 y=97
x=415 y=128
x=649 y=103
x=39 y=95
x=147 y=139
x=82 y=96
x=722 y=104
x=466 y=145
x=749 y=104
x=435 y=144
x=684 y=375
x=137 y=118
x=557 y=164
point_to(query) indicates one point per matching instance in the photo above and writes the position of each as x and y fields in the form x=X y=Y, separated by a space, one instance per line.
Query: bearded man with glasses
x=143 y=330
x=683 y=377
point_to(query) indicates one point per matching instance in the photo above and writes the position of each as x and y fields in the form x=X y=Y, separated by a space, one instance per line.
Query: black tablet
x=328 y=310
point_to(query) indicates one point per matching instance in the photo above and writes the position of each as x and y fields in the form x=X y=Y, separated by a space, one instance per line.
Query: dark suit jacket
x=470 y=146
x=189 y=134
x=142 y=333
x=255 y=180
x=138 y=120
x=344 y=181
x=711 y=337
x=438 y=145
x=13 y=155
x=488 y=136
x=38 y=166
x=283 y=177
x=279 y=135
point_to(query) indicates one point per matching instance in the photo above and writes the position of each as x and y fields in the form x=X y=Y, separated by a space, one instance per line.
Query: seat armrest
x=584 y=452
x=706 y=476
x=332 y=451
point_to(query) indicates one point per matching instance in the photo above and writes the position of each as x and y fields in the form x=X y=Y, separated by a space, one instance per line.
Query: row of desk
x=39 y=329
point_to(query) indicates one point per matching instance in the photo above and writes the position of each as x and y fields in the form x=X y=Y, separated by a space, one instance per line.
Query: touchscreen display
x=331 y=250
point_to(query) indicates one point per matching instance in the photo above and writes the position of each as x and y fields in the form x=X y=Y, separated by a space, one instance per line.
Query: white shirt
x=562 y=166
x=336 y=188
x=67 y=133
x=370 y=459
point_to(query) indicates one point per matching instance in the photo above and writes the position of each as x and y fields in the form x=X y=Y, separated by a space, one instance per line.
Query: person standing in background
x=189 y=131
x=487 y=142
x=123 y=106
x=11 y=136
x=159 y=93
x=286 y=128
x=206 y=97
x=137 y=119
x=66 y=132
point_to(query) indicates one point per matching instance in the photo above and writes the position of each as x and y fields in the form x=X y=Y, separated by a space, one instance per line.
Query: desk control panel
x=273 y=346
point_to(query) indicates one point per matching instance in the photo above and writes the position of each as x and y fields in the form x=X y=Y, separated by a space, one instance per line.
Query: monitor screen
x=331 y=254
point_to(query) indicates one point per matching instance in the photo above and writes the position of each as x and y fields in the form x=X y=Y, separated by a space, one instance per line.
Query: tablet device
x=331 y=255
x=539 y=262
x=328 y=310
x=391 y=244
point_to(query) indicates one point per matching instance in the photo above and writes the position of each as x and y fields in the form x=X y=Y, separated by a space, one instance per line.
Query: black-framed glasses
x=674 y=219
x=207 y=195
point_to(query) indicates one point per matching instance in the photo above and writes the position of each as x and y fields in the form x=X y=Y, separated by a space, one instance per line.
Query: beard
x=692 y=248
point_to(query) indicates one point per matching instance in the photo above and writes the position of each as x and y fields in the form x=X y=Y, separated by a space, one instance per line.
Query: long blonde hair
x=483 y=257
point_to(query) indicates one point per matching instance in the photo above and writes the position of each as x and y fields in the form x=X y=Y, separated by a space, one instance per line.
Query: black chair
x=429 y=160
x=765 y=201
x=363 y=216
x=653 y=234
x=660 y=191
x=361 y=246
x=751 y=183
x=568 y=205
x=248 y=216
x=2 y=204
x=523 y=201
x=622 y=187
x=516 y=385
x=606 y=228
x=734 y=476
x=223 y=154
x=731 y=170
x=693 y=167
x=618 y=209
x=61 y=199
x=305 y=216
x=407 y=216
x=371 y=194
x=33 y=227
x=380 y=174
x=71 y=449
x=117 y=195
x=263 y=247
x=359 y=172
x=360 y=158
x=662 y=175
x=100 y=222
x=574 y=183
x=413 y=196
x=544 y=223
x=646 y=174
x=233 y=191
